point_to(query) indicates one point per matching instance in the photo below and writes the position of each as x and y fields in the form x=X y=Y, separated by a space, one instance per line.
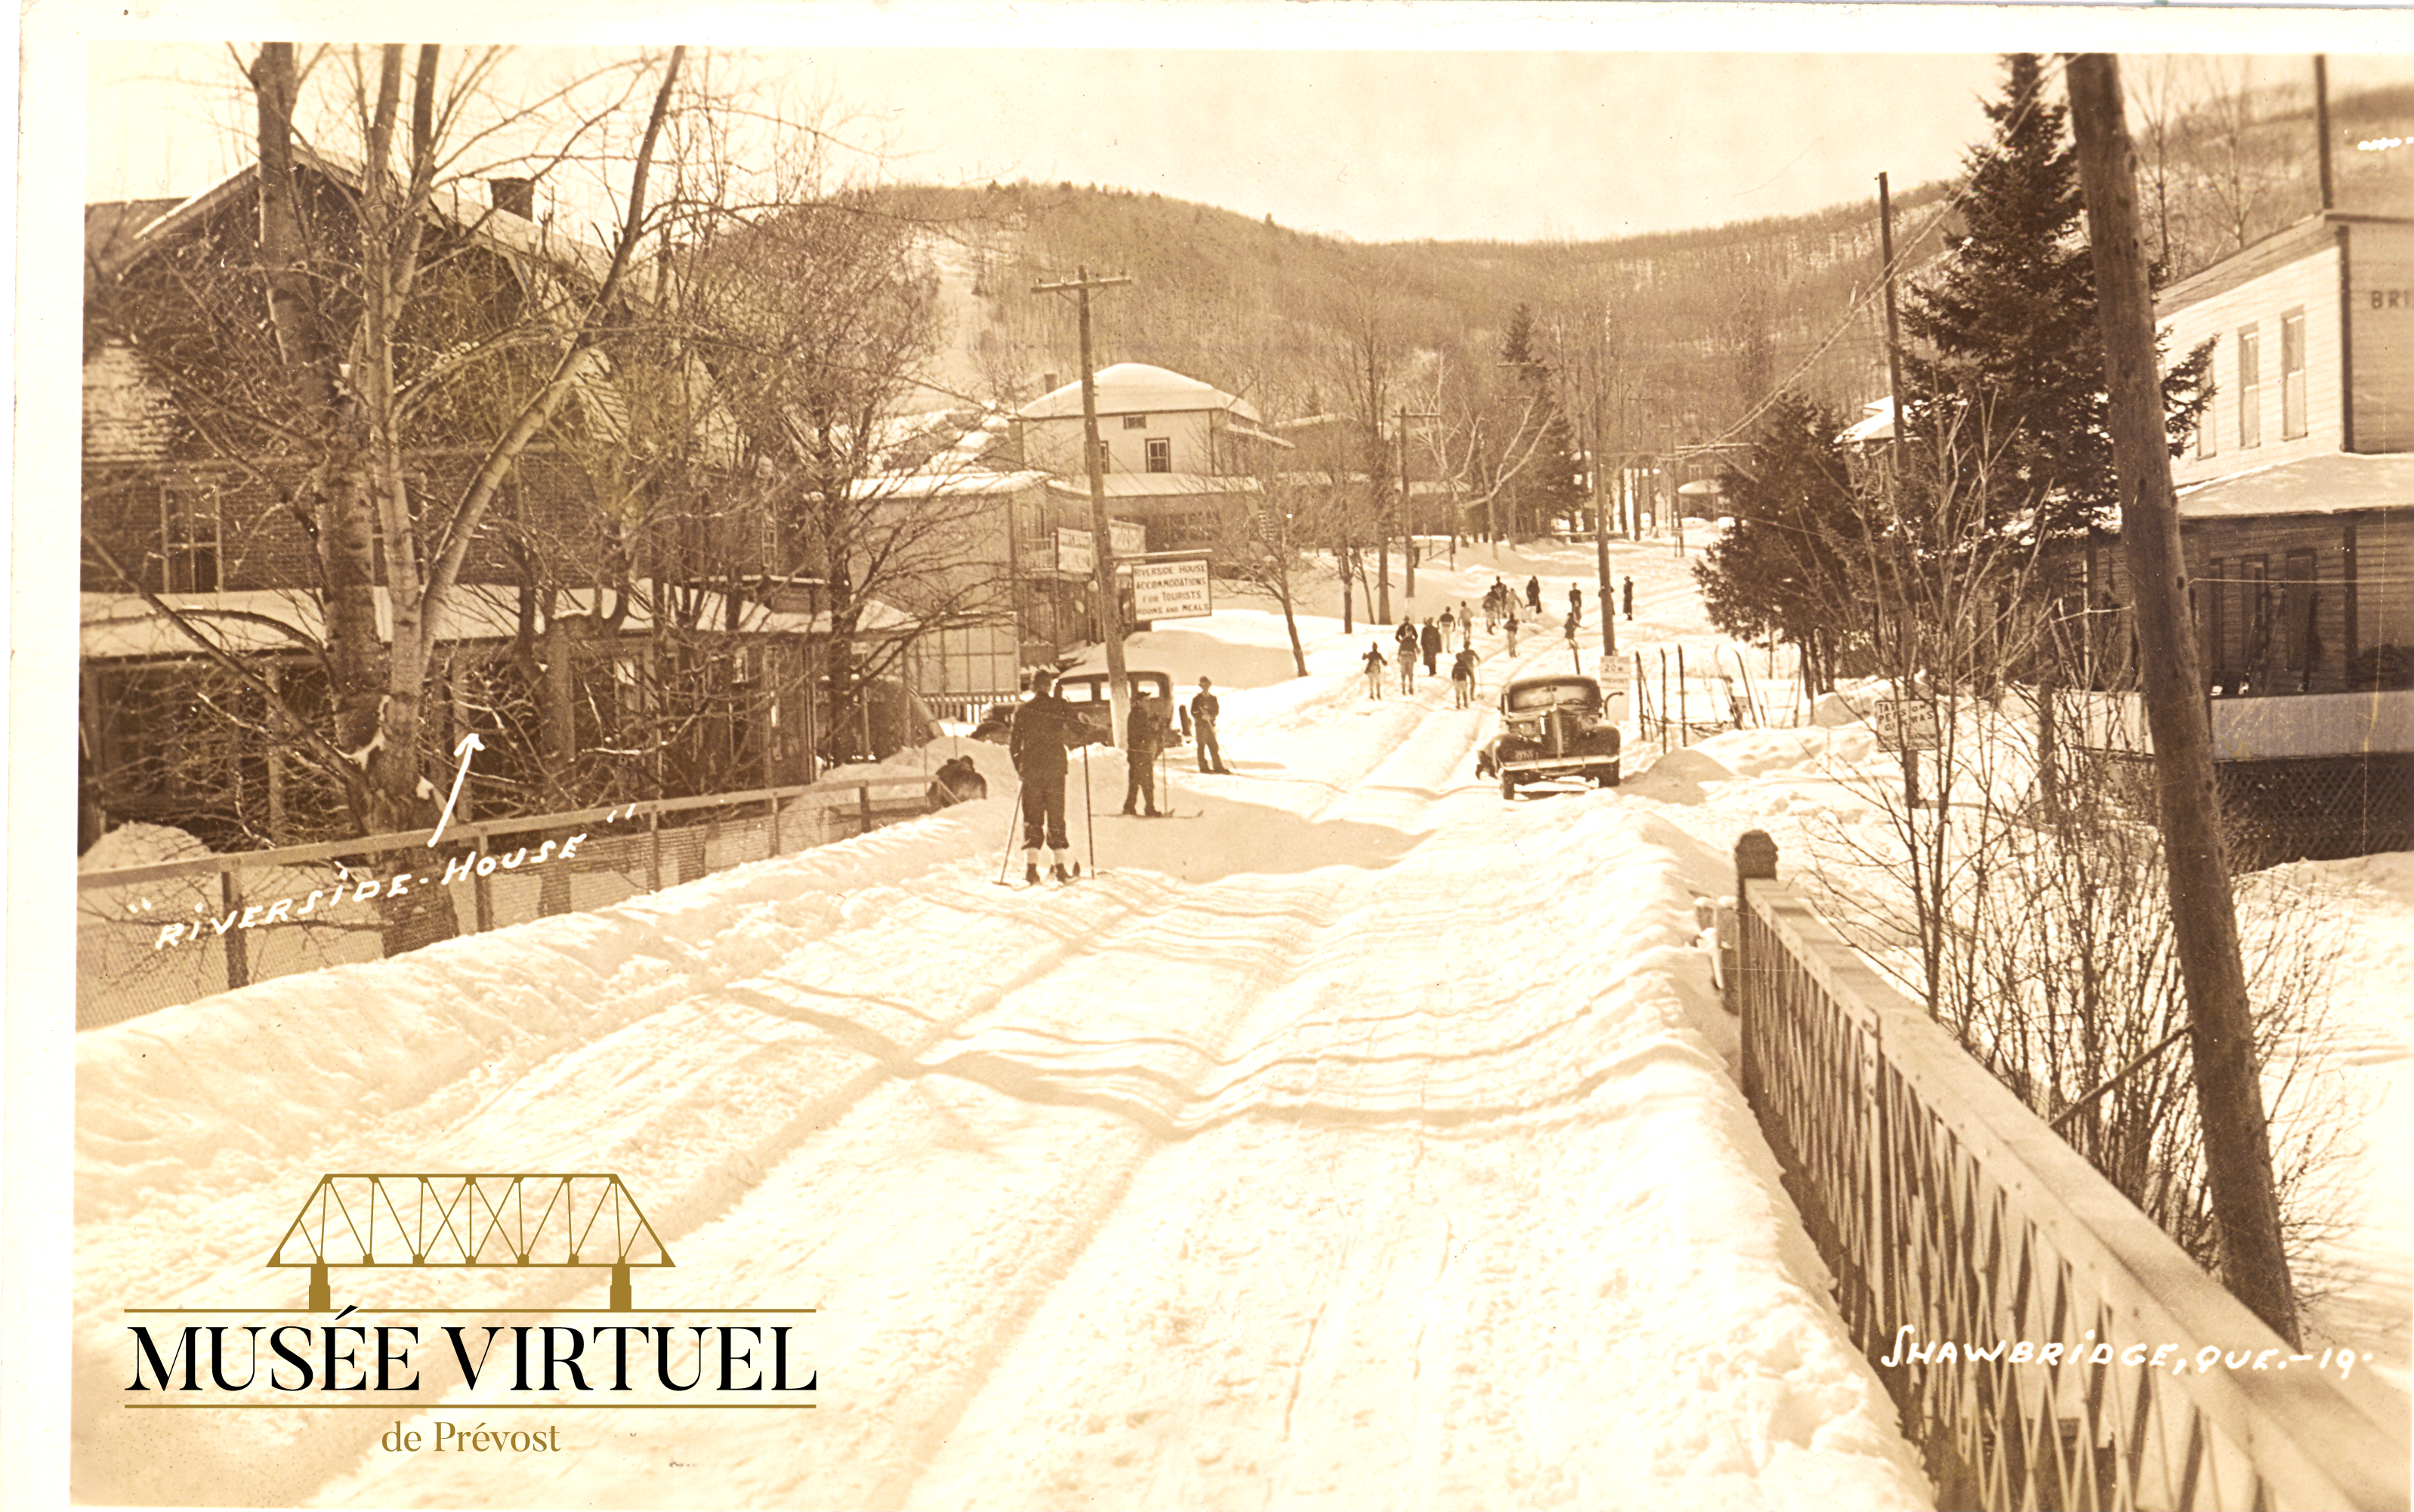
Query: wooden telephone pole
x=2204 y=922
x=1408 y=509
x=1110 y=613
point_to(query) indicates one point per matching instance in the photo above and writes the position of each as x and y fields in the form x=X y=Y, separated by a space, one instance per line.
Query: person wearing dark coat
x=1461 y=677
x=1576 y=604
x=1145 y=735
x=1629 y=598
x=1045 y=727
x=956 y=781
x=1534 y=594
x=1374 y=663
x=1203 y=710
x=1429 y=641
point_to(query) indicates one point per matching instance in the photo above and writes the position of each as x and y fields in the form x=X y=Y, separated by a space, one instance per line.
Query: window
x=2255 y=602
x=2300 y=641
x=189 y=540
x=1160 y=454
x=2250 y=390
x=2292 y=375
x=1106 y=456
x=1134 y=423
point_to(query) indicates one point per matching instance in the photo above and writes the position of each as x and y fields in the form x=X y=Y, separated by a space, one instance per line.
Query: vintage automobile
x=1087 y=692
x=1554 y=727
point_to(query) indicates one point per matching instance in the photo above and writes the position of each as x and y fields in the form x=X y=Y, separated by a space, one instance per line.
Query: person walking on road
x=1407 y=637
x=1045 y=727
x=1144 y=736
x=1629 y=598
x=1534 y=595
x=1576 y=604
x=1511 y=626
x=1374 y=663
x=1461 y=677
x=1204 y=709
x=1466 y=628
x=1429 y=641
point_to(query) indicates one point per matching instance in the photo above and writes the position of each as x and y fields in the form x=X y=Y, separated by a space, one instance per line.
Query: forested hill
x=1700 y=325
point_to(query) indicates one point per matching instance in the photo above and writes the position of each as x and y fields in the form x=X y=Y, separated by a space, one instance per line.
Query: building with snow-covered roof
x=2296 y=507
x=1176 y=455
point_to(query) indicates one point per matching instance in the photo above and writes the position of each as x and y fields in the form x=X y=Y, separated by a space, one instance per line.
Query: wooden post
x=2204 y=924
x=1111 y=619
x=1755 y=860
x=864 y=806
x=238 y=957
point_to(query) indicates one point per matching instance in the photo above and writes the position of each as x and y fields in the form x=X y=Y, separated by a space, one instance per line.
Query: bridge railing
x=1965 y=1237
x=255 y=914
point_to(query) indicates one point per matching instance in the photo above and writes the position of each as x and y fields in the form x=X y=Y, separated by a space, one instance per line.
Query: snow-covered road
x=1363 y=1141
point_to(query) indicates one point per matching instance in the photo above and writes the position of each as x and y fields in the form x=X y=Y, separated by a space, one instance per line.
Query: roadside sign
x=1074 y=552
x=1907 y=725
x=1171 y=590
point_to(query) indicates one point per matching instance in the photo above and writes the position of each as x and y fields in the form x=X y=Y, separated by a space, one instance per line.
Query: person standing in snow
x=1461 y=677
x=1407 y=637
x=1374 y=664
x=1534 y=595
x=1629 y=598
x=1576 y=604
x=1144 y=736
x=1044 y=727
x=1511 y=626
x=1449 y=623
x=1466 y=628
x=1204 y=709
x=1429 y=641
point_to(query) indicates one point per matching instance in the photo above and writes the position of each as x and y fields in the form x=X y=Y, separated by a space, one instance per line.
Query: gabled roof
x=1138 y=388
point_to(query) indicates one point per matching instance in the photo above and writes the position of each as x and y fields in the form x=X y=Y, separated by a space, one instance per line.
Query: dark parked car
x=1087 y=692
x=1554 y=727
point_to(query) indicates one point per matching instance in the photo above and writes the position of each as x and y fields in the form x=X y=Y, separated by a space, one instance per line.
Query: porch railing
x=1965 y=1237
x=254 y=914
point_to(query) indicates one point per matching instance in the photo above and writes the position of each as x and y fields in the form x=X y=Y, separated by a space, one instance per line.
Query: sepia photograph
x=1423 y=754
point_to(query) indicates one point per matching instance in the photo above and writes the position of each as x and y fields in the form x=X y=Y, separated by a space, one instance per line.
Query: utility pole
x=2204 y=922
x=1407 y=509
x=2322 y=124
x=1606 y=598
x=1110 y=615
x=1894 y=328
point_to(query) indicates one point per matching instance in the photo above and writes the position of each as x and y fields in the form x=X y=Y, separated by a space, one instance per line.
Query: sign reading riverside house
x=1171 y=590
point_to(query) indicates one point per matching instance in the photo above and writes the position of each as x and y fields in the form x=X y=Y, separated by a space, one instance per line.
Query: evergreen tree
x=1783 y=569
x=2004 y=354
x=1547 y=488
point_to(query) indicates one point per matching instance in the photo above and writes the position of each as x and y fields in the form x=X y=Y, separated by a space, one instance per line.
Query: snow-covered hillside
x=1363 y=1140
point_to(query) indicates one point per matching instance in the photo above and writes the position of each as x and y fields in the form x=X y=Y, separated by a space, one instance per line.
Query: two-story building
x=2295 y=511
x=1176 y=455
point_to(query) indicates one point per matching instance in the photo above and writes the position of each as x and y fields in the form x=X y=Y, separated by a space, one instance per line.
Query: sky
x=1466 y=130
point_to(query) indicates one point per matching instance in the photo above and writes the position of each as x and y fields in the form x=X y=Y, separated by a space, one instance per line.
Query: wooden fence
x=1965 y=1238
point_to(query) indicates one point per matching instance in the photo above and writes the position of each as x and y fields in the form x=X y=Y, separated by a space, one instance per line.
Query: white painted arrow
x=469 y=744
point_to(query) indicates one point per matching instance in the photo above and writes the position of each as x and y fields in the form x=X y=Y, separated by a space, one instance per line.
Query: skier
x=1511 y=625
x=1466 y=627
x=1534 y=595
x=1576 y=604
x=1145 y=735
x=1407 y=637
x=1204 y=709
x=1430 y=643
x=1629 y=598
x=1374 y=665
x=1492 y=607
x=1461 y=677
x=1044 y=727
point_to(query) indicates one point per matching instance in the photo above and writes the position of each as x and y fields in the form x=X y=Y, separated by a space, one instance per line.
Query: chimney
x=518 y=196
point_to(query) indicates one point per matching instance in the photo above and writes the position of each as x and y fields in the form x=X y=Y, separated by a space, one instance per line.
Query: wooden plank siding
x=2380 y=305
x=2310 y=284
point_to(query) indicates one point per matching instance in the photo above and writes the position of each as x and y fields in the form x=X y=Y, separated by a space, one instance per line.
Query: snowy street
x=1362 y=1141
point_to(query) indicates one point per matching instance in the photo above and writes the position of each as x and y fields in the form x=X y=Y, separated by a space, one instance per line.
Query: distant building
x=1176 y=455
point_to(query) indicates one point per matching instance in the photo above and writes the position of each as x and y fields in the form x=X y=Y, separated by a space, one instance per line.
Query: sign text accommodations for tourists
x=1171 y=590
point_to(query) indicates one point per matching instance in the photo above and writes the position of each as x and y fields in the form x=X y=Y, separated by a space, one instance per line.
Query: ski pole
x=1007 y=856
x=1089 y=819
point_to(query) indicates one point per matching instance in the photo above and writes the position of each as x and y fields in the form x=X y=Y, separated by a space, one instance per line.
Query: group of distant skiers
x=1414 y=643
